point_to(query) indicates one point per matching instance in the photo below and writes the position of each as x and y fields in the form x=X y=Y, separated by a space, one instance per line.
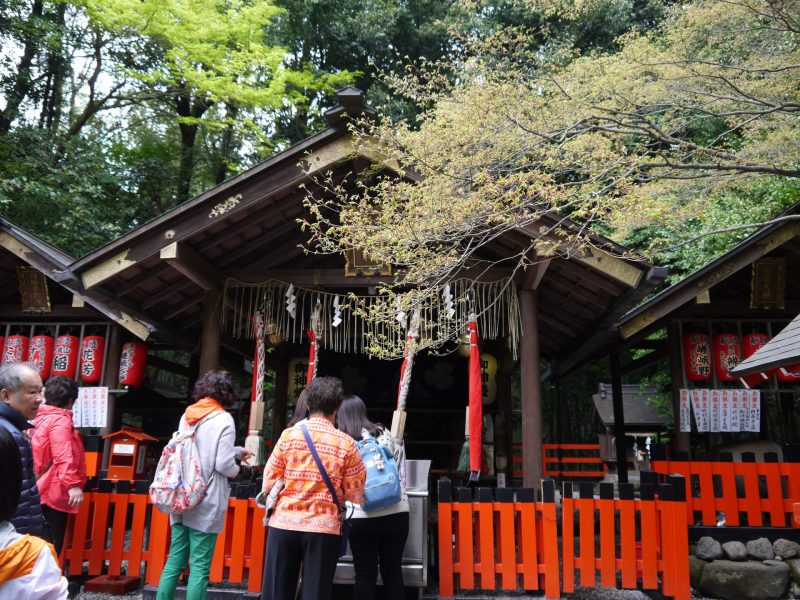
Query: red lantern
x=92 y=350
x=15 y=349
x=727 y=354
x=41 y=354
x=789 y=373
x=751 y=342
x=697 y=356
x=65 y=356
x=132 y=363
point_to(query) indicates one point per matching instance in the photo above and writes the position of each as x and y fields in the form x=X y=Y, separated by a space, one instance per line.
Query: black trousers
x=378 y=543
x=286 y=551
x=57 y=525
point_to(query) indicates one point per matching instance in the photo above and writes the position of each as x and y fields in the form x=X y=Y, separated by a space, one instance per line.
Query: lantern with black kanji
x=40 y=354
x=92 y=351
x=15 y=349
x=65 y=356
x=789 y=373
x=727 y=354
x=751 y=342
x=132 y=364
x=697 y=356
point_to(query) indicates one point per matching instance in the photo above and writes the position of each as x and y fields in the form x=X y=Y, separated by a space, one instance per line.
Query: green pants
x=188 y=547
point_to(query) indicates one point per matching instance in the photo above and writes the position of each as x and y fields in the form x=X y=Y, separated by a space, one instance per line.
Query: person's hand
x=75 y=496
x=246 y=454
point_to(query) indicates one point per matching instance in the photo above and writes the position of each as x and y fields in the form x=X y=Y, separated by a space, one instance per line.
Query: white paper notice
x=93 y=406
x=76 y=411
x=725 y=410
x=754 y=410
x=714 y=405
x=735 y=401
x=686 y=412
x=699 y=414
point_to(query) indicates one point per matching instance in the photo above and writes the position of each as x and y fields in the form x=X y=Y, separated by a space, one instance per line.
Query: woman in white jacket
x=194 y=533
x=28 y=565
x=377 y=538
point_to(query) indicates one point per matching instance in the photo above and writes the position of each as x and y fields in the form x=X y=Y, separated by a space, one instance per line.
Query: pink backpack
x=179 y=485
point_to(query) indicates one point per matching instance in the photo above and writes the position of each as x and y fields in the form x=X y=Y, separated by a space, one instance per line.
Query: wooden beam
x=612 y=266
x=265 y=237
x=182 y=307
x=533 y=275
x=134 y=283
x=58 y=311
x=107 y=269
x=530 y=390
x=166 y=293
x=210 y=342
x=189 y=263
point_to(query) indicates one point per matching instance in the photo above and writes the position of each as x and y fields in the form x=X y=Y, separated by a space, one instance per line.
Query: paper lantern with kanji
x=40 y=354
x=65 y=356
x=15 y=349
x=727 y=354
x=92 y=351
x=751 y=342
x=697 y=356
x=789 y=373
x=132 y=363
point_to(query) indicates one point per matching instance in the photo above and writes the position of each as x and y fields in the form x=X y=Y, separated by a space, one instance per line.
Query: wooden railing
x=238 y=556
x=564 y=461
x=755 y=494
x=503 y=539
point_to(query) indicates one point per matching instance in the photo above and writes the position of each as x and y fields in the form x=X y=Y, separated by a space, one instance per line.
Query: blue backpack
x=382 y=488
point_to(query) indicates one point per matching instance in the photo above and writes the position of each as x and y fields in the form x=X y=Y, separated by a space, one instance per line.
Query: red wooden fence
x=566 y=461
x=503 y=539
x=765 y=495
x=97 y=538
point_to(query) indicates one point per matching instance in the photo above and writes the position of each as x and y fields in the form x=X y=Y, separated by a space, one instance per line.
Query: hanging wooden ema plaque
x=34 y=295
x=768 y=283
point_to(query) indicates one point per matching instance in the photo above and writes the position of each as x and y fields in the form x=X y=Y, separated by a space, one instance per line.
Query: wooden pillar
x=281 y=365
x=619 y=418
x=209 y=344
x=530 y=390
x=111 y=380
x=682 y=440
x=506 y=442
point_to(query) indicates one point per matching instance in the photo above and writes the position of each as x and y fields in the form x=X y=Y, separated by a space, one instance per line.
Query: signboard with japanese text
x=721 y=410
x=91 y=407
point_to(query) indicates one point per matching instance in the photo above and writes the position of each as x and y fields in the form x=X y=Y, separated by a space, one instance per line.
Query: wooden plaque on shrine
x=768 y=283
x=357 y=264
x=35 y=297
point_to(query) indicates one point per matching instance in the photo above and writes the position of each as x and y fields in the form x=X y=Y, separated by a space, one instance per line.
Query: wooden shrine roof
x=780 y=351
x=721 y=289
x=247 y=228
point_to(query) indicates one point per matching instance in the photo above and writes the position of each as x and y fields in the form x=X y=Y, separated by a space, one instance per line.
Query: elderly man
x=20 y=398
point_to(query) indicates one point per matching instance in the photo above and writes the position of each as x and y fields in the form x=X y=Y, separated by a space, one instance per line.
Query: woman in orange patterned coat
x=304 y=527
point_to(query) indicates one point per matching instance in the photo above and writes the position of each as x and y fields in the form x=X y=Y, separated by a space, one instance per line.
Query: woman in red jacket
x=58 y=457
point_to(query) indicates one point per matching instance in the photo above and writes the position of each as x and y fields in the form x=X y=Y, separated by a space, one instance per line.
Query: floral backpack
x=179 y=485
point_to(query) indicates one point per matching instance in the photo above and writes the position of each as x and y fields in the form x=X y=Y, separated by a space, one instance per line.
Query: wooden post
x=682 y=441
x=530 y=390
x=110 y=379
x=209 y=344
x=281 y=362
x=619 y=418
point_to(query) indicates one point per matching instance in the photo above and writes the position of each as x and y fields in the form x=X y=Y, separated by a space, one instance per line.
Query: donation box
x=126 y=461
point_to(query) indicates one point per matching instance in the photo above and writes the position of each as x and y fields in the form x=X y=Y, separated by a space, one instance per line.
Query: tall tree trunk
x=57 y=67
x=226 y=147
x=187 y=107
x=22 y=81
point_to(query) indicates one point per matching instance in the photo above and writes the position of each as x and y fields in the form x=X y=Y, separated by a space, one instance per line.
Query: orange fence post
x=465 y=548
x=120 y=503
x=706 y=499
x=608 y=538
x=649 y=537
x=218 y=560
x=76 y=538
x=445 y=541
x=680 y=535
x=99 y=528
x=484 y=507
x=506 y=538
x=627 y=535
x=568 y=538
x=552 y=585
x=729 y=503
x=257 y=548
x=238 y=539
x=771 y=471
x=667 y=527
x=139 y=505
x=527 y=537
x=157 y=546
x=585 y=505
x=752 y=498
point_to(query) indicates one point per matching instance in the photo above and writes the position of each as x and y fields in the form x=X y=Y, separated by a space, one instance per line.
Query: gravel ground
x=580 y=594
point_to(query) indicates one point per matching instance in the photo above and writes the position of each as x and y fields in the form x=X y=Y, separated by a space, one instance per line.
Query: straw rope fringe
x=369 y=324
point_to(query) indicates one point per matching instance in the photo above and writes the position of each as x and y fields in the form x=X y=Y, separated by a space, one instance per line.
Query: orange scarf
x=200 y=409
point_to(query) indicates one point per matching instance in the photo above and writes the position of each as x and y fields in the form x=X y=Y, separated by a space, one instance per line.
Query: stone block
x=786 y=549
x=735 y=550
x=731 y=580
x=760 y=549
x=709 y=549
